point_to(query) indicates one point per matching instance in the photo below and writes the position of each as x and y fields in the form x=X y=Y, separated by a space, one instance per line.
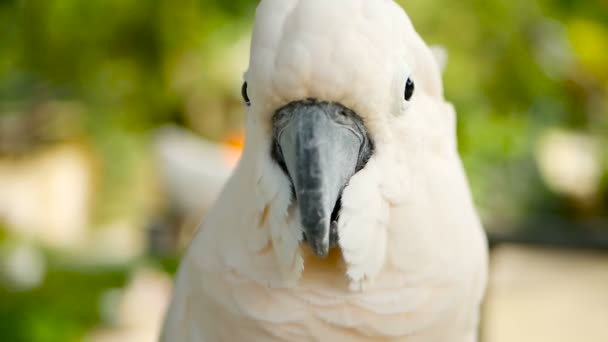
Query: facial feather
x=360 y=54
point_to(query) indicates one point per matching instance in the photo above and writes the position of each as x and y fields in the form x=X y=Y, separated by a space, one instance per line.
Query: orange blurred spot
x=235 y=143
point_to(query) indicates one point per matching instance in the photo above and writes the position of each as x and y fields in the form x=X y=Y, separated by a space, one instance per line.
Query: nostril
x=335 y=214
x=333 y=227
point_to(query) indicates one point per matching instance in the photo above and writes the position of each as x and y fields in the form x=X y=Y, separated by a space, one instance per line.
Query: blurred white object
x=46 y=197
x=570 y=163
x=539 y=295
x=140 y=309
x=441 y=56
x=22 y=266
x=194 y=170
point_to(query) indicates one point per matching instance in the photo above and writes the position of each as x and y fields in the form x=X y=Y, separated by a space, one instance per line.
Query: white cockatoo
x=349 y=216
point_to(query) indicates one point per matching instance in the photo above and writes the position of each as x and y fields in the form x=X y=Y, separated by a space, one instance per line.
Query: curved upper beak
x=321 y=146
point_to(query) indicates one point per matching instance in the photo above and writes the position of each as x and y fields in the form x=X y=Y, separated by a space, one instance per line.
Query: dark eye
x=245 y=95
x=409 y=89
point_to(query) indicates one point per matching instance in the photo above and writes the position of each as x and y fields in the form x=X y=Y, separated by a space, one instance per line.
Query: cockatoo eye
x=409 y=89
x=245 y=95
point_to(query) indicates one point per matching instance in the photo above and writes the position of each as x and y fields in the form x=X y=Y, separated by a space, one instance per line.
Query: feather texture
x=412 y=260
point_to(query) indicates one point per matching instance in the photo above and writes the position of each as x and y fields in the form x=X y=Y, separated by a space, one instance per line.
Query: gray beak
x=321 y=146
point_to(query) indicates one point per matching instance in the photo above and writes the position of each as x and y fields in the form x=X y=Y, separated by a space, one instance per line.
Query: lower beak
x=321 y=145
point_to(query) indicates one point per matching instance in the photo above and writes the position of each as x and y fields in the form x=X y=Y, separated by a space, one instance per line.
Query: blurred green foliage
x=104 y=73
x=517 y=70
x=64 y=310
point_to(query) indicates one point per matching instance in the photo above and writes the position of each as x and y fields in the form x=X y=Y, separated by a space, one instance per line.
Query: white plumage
x=412 y=261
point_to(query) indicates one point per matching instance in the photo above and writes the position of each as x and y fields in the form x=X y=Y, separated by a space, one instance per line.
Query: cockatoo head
x=333 y=88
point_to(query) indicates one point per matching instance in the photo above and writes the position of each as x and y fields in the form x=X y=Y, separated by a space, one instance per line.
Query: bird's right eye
x=245 y=95
x=409 y=89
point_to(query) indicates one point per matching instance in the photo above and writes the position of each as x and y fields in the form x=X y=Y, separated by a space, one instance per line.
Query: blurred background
x=121 y=119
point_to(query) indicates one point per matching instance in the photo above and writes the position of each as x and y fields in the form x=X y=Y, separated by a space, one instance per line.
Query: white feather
x=441 y=56
x=412 y=262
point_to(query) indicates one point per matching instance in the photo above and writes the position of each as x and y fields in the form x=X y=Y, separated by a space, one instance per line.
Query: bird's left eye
x=409 y=89
x=245 y=95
